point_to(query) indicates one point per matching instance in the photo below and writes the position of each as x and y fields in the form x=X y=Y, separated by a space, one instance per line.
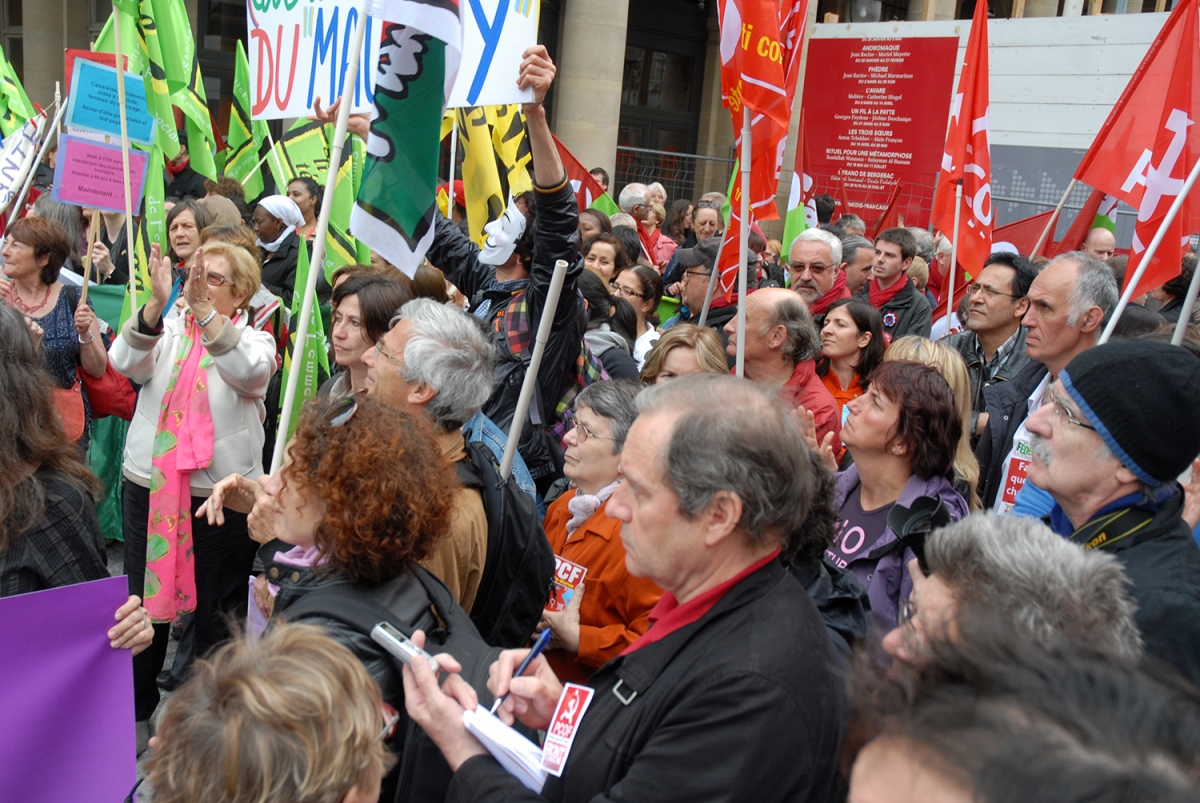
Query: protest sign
x=495 y=34
x=297 y=53
x=67 y=696
x=88 y=55
x=94 y=106
x=89 y=174
x=16 y=160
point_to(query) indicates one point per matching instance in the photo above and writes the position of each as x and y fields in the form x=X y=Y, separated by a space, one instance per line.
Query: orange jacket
x=615 y=608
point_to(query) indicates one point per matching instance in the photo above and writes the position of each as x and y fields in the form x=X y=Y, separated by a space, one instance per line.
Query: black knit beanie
x=1143 y=398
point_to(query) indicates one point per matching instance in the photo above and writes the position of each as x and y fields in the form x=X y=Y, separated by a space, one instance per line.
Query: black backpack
x=423 y=774
x=520 y=563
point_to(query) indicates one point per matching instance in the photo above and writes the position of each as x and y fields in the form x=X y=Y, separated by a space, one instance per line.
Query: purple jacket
x=886 y=578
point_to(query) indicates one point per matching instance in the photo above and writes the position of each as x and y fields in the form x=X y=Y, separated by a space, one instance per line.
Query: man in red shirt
x=781 y=348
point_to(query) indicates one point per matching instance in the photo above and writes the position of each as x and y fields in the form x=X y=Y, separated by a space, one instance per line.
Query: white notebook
x=521 y=757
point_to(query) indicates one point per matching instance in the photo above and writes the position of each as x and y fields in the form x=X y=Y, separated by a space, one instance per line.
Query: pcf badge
x=563 y=727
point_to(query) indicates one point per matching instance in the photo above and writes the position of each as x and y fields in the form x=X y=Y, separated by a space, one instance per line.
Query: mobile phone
x=401 y=645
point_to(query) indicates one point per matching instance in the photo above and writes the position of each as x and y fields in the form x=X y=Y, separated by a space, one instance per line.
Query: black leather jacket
x=555 y=236
x=1007 y=406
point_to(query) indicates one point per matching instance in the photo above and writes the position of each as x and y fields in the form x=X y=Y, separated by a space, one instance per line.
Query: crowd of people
x=884 y=566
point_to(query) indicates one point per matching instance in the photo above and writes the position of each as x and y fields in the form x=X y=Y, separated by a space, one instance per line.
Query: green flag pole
x=354 y=57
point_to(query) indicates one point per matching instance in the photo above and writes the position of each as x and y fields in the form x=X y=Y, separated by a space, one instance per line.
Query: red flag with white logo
x=968 y=156
x=1073 y=239
x=1150 y=142
x=586 y=188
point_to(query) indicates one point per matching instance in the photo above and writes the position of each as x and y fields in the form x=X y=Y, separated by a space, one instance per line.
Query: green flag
x=153 y=229
x=605 y=204
x=246 y=135
x=15 y=107
x=313 y=362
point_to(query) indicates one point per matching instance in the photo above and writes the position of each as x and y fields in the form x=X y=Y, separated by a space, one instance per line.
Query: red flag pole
x=1037 y=249
x=743 y=244
x=1132 y=283
x=953 y=254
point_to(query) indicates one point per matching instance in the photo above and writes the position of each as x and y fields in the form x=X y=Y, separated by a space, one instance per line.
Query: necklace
x=14 y=298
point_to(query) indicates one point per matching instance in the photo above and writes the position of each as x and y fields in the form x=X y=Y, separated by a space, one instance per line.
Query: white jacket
x=243 y=362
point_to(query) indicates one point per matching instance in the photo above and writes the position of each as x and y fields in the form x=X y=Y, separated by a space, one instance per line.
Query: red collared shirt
x=668 y=615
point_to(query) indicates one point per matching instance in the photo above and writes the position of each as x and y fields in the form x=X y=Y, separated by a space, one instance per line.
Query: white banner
x=297 y=52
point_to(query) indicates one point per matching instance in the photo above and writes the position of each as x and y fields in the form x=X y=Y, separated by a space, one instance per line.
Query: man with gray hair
x=735 y=680
x=781 y=350
x=858 y=257
x=1069 y=304
x=634 y=200
x=852 y=224
x=1016 y=573
x=815 y=264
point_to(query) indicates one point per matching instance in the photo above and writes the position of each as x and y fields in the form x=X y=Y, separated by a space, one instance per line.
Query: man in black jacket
x=730 y=696
x=993 y=344
x=1100 y=449
x=512 y=295
x=905 y=309
x=698 y=265
x=1069 y=303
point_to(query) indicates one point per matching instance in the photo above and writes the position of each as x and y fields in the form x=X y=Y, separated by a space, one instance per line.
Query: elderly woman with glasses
x=597 y=608
x=199 y=417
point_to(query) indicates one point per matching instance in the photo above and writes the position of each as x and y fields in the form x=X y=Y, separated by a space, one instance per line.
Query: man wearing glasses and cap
x=697 y=265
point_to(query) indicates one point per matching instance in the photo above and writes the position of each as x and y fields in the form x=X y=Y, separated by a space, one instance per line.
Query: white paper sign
x=298 y=51
x=495 y=35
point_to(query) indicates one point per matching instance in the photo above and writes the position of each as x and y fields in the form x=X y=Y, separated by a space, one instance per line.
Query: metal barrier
x=683 y=175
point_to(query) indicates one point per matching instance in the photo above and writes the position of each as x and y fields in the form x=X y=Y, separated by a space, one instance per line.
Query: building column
x=44 y=39
x=587 y=102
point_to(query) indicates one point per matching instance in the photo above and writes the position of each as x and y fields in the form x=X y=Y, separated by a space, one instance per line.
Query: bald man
x=781 y=348
x=1100 y=243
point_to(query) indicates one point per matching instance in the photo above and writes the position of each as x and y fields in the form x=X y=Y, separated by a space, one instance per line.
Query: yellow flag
x=485 y=185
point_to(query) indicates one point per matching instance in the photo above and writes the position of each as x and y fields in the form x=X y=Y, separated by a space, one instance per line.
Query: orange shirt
x=615 y=608
x=841 y=396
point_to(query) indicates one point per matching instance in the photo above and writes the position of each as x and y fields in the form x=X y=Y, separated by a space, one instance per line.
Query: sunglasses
x=707 y=205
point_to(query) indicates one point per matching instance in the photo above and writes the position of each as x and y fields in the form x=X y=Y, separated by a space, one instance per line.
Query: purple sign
x=66 y=700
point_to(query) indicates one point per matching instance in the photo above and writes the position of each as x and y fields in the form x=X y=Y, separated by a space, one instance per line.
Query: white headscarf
x=282 y=208
x=502 y=235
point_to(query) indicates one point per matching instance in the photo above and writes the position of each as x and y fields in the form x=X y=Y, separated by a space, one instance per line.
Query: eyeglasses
x=626 y=292
x=1061 y=409
x=390 y=718
x=697 y=273
x=216 y=280
x=816 y=270
x=707 y=205
x=987 y=290
x=379 y=350
x=340 y=412
x=587 y=433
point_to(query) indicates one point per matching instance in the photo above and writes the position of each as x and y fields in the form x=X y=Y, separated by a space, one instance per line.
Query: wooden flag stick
x=316 y=264
x=93 y=232
x=1037 y=249
x=1132 y=283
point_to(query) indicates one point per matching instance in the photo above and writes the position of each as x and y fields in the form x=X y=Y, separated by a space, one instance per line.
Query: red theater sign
x=876 y=112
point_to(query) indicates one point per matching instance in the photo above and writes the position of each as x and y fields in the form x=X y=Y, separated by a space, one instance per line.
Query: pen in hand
x=538 y=646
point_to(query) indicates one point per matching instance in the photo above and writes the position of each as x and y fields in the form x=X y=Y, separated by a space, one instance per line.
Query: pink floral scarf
x=183 y=443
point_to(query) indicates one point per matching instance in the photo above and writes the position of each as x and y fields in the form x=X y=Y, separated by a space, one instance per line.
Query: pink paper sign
x=89 y=173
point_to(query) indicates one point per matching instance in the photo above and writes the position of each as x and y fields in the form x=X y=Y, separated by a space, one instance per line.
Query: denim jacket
x=481 y=429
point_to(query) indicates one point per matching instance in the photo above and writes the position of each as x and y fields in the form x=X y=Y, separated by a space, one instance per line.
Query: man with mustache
x=817 y=271
x=1100 y=450
x=1069 y=303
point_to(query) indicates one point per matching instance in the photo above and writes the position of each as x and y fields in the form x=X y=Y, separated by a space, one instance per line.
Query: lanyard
x=1108 y=529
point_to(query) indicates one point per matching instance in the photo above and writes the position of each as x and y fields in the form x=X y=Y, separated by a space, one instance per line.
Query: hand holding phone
x=401 y=645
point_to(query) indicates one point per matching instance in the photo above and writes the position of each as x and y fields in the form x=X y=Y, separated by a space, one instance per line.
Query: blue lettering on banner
x=325 y=49
x=491 y=39
x=322 y=45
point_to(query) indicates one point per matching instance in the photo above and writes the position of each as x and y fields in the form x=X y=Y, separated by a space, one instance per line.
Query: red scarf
x=175 y=168
x=881 y=297
x=649 y=239
x=838 y=291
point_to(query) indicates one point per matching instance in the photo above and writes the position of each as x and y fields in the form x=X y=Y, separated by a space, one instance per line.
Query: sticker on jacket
x=567 y=577
x=563 y=727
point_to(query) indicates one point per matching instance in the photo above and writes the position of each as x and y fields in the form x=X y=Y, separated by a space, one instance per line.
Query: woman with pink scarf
x=199 y=418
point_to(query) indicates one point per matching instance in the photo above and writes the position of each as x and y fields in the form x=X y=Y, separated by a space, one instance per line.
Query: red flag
x=586 y=188
x=1022 y=234
x=891 y=213
x=1150 y=142
x=729 y=257
x=968 y=155
x=845 y=202
x=1073 y=239
x=752 y=74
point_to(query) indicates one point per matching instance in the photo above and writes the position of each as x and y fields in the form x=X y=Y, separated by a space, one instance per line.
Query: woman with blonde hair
x=292 y=718
x=684 y=349
x=949 y=363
